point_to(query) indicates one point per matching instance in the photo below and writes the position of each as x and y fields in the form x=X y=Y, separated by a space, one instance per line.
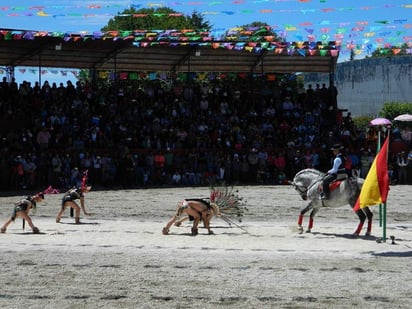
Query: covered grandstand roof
x=171 y=50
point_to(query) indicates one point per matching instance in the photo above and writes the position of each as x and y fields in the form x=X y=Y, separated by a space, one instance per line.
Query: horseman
x=338 y=168
x=308 y=181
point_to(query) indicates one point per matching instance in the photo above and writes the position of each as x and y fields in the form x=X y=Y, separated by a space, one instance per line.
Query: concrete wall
x=365 y=85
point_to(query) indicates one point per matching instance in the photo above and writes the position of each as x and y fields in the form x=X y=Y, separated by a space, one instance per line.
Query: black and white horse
x=308 y=183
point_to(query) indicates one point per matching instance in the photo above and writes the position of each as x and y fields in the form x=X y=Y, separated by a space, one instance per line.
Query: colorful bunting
x=390 y=33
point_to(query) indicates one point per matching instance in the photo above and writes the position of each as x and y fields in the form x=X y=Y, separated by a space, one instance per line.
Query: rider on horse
x=338 y=168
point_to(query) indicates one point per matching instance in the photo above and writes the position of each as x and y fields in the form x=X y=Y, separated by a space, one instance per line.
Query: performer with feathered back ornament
x=223 y=203
x=69 y=198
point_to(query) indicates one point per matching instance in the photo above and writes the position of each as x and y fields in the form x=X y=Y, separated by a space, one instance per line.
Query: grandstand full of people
x=131 y=134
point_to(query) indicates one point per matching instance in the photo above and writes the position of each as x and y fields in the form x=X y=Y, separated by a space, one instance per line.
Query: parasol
x=404 y=117
x=380 y=122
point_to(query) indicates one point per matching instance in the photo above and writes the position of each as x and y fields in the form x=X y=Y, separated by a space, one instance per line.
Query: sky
x=360 y=24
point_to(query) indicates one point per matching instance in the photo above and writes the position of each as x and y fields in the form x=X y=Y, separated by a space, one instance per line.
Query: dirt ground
x=118 y=258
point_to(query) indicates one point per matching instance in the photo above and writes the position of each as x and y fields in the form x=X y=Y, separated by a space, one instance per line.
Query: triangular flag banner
x=133 y=76
x=376 y=186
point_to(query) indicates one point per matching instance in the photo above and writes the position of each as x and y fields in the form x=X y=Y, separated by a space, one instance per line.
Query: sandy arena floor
x=118 y=257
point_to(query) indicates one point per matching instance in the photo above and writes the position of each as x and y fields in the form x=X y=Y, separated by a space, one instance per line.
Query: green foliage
x=388 y=52
x=156 y=19
x=352 y=55
x=84 y=75
x=362 y=122
x=389 y=111
x=392 y=109
x=257 y=32
x=257 y=24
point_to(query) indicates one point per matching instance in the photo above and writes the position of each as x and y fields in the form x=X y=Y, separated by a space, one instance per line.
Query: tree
x=352 y=55
x=386 y=52
x=256 y=24
x=156 y=19
x=260 y=31
x=392 y=109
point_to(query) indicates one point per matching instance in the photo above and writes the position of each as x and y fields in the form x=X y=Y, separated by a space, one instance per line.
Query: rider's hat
x=336 y=147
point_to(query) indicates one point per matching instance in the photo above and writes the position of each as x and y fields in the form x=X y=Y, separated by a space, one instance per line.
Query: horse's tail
x=355 y=184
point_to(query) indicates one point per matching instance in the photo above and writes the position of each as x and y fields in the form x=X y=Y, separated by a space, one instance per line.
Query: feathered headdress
x=229 y=202
x=51 y=190
x=84 y=180
x=48 y=190
x=41 y=194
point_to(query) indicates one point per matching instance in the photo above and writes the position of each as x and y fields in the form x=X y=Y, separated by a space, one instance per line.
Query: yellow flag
x=376 y=186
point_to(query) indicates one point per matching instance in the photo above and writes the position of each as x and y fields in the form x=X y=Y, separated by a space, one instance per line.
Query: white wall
x=365 y=85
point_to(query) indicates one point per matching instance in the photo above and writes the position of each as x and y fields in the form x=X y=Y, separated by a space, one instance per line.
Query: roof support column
x=115 y=68
x=9 y=73
x=39 y=69
x=333 y=93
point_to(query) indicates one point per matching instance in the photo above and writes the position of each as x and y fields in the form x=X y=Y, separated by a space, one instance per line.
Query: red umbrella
x=380 y=122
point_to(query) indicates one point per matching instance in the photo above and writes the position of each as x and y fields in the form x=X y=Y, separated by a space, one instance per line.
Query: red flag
x=376 y=186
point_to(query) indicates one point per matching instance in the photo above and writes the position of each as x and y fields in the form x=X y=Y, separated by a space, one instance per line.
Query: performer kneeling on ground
x=197 y=210
x=223 y=203
x=68 y=200
x=22 y=209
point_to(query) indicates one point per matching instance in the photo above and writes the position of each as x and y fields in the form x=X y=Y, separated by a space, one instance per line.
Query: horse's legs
x=312 y=215
x=362 y=218
x=369 y=215
x=302 y=213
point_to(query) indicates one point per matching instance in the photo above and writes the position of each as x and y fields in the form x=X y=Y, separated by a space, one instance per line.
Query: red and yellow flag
x=376 y=186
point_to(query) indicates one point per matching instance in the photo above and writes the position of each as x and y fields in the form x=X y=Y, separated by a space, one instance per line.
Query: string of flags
x=251 y=39
x=248 y=38
x=70 y=9
x=307 y=38
x=363 y=34
x=142 y=76
x=43 y=72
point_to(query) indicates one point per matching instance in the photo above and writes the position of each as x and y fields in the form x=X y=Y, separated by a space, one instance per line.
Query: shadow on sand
x=393 y=254
x=347 y=236
x=81 y=223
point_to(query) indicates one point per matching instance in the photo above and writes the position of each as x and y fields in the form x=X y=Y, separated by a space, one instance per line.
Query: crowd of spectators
x=131 y=134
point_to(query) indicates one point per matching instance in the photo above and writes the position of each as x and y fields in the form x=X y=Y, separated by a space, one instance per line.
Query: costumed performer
x=22 y=209
x=223 y=203
x=70 y=197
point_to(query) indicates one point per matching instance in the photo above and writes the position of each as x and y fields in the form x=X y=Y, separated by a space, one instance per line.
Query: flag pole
x=378 y=148
x=384 y=222
x=384 y=204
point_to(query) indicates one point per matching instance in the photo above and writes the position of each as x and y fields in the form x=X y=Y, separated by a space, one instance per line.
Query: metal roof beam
x=184 y=59
x=259 y=60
